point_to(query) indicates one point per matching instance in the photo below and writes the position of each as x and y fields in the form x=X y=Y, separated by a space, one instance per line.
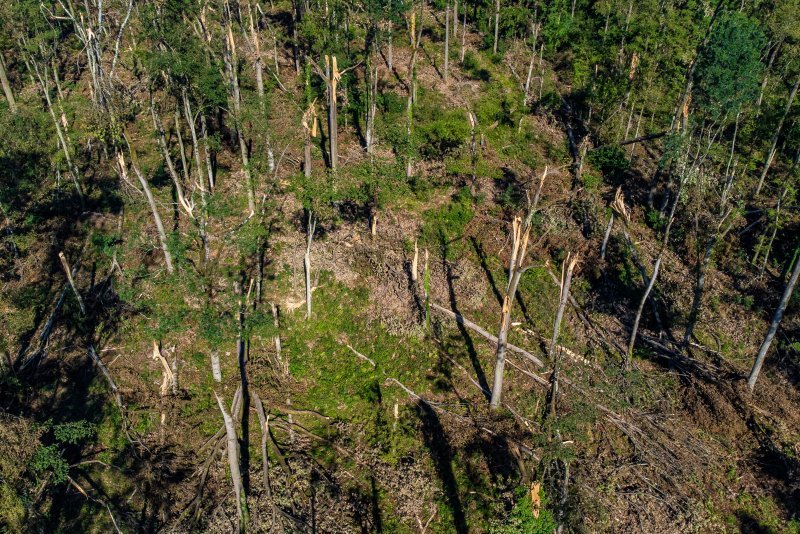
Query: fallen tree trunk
x=472 y=326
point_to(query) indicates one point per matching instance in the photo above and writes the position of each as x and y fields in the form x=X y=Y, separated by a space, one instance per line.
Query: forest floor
x=379 y=421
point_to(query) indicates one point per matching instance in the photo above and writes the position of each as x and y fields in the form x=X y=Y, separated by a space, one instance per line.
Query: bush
x=445 y=225
x=610 y=160
x=444 y=134
x=522 y=519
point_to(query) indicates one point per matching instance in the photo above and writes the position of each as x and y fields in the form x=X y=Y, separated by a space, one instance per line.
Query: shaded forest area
x=399 y=266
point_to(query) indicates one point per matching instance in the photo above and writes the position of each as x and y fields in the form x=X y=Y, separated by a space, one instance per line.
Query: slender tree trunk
x=389 y=47
x=446 y=41
x=307 y=157
x=464 y=37
x=775 y=135
x=702 y=269
x=771 y=60
x=312 y=225
x=773 y=327
x=229 y=56
x=534 y=37
x=415 y=263
x=372 y=106
x=181 y=147
x=44 y=85
x=162 y=144
x=233 y=464
x=162 y=235
x=520 y=236
x=496 y=25
x=207 y=154
x=198 y=171
x=12 y=103
x=774 y=230
x=555 y=355
x=332 y=79
x=259 y=70
x=606 y=237
x=652 y=282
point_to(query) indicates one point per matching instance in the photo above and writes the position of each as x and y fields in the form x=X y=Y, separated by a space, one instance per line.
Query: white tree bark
x=773 y=327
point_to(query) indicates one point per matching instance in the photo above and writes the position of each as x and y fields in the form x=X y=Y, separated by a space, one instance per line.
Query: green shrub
x=445 y=225
x=48 y=460
x=610 y=160
x=444 y=134
x=521 y=518
x=73 y=433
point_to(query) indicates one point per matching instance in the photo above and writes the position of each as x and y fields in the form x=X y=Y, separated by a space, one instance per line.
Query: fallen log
x=472 y=326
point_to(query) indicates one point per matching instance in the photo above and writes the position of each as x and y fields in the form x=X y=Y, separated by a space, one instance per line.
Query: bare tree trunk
x=181 y=147
x=389 y=47
x=309 y=122
x=415 y=263
x=775 y=226
x=621 y=211
x=534 y=37
x=229 y=57
x=555 y=354
x=198 y=171
x=520 y=235
x=652 y=282
x=766 y=77
x=12 y=103
x=332 y=75
x=259 y=69
x=496 y=25
x=372 y=106
x=162 y=236
x=162 y=144
x=775 y=135
x=295 y=40
x=207 y=153
x=455 y=20
x=233 y=464
x=312 y=225
x=216 y=368
x=41 y=75
x=446 y=41
x=463 y=37
x=307 y=155
x=71 y=281
x=773 y=327
x=606 y=237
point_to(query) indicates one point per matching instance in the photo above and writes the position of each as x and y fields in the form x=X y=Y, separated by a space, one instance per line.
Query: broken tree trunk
x=652 y=282
x=520 y=235
x=68 y=272
x=162 y=235
x=555 y=354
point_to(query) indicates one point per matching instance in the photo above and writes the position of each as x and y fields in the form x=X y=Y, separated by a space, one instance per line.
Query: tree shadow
x=442 y=454
x=478 y=247
x=473 y=353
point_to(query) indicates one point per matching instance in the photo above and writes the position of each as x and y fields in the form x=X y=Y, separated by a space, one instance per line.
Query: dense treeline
x=178 y=177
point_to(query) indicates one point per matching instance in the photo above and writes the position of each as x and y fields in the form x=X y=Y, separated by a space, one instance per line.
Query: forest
x=414 y=266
